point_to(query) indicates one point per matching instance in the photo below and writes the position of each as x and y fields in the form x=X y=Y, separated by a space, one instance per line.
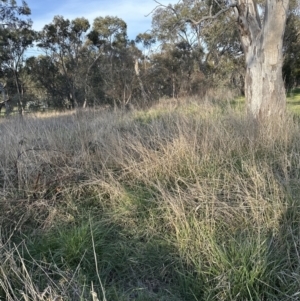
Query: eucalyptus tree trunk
x=137 y=72
x=3 y=97
x=20 y=93
x=5 y=101
x=262 y=43
x=86 y=79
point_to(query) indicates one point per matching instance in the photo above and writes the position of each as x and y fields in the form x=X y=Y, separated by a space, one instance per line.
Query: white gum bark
x=262 y=43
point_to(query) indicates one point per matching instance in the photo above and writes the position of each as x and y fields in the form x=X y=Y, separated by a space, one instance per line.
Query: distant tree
x=48 y=79
x=291 y=48
x=116 y=59
x=16 y=36
x=147 y=40
x=63 y=40
x=18 y=40
x=10 y=14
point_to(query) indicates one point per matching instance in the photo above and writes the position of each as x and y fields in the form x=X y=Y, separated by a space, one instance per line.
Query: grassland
x=179 y=202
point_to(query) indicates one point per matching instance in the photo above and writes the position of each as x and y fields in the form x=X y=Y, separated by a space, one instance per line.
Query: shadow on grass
x=134 y=263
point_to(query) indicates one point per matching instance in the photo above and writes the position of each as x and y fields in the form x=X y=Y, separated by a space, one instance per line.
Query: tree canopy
x=194 y=47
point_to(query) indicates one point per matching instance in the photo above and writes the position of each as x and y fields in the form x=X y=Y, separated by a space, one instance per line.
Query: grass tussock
x=188 y=201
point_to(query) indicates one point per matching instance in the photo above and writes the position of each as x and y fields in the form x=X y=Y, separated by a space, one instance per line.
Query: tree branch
x=162 y=5
x=192 y=21
x=210 y=16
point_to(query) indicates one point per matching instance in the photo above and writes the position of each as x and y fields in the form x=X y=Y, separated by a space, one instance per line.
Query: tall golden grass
x=191 y=201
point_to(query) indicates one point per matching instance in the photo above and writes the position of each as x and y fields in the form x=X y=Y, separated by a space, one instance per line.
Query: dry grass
x=185 y=201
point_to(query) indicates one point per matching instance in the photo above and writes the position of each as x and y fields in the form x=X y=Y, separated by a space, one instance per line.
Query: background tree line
x=97 y=64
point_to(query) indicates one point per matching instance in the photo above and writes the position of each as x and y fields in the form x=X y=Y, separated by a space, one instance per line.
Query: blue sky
x=131 y=11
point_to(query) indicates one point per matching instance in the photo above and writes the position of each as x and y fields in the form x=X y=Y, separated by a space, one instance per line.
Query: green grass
x=181 y=202
x=293 y=101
